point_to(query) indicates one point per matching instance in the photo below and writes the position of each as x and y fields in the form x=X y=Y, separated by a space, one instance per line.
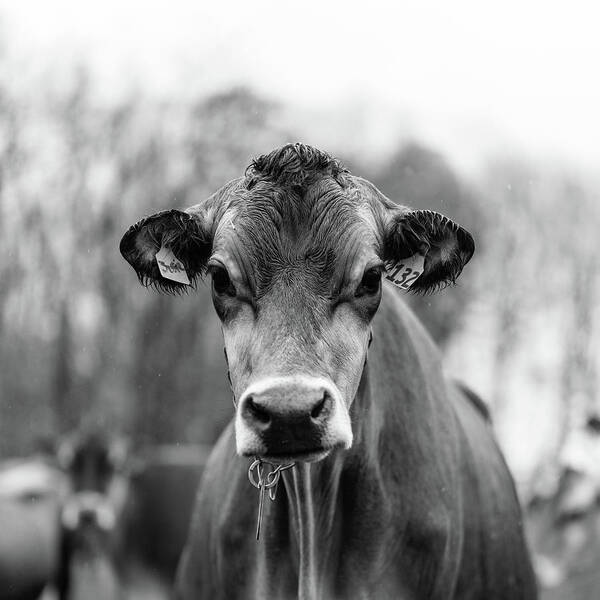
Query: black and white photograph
x=299 y=300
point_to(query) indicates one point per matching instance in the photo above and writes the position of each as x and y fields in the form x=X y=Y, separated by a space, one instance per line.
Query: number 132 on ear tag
x=405 y=272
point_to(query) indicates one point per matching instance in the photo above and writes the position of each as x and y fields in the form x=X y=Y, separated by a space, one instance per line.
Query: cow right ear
x=178 y=238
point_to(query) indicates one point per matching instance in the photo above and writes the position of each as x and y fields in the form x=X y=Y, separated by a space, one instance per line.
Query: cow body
x=164 y=490
x=125 y=519
x=421 y=506
x=398 y=488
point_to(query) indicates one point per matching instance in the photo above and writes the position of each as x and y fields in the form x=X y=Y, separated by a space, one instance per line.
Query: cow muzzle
x=291 y=418
x=88 y=508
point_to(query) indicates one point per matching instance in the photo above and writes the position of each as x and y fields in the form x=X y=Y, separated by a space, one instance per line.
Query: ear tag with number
x=405 y=272
x=170 y=266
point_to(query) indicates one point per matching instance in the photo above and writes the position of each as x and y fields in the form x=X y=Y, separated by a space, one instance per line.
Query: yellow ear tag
x=405 y=272
x=170 y=266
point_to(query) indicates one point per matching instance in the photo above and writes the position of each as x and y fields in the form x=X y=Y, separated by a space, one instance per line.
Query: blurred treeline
x=81 y=341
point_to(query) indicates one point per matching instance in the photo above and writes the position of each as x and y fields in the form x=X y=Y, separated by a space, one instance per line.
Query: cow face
x=94 y=463
x=296 y=252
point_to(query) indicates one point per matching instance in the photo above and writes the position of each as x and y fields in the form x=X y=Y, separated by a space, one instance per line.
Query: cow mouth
x=308 y=456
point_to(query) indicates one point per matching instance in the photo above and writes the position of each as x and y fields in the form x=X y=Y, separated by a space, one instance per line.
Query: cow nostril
x=260 y=414
x=88 y=516
x=318 y=408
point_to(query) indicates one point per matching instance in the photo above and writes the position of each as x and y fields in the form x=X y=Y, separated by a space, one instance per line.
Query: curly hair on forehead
x=294 y=165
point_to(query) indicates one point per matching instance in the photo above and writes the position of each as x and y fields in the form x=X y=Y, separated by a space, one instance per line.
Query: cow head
x=296 y=251
x=95 y=463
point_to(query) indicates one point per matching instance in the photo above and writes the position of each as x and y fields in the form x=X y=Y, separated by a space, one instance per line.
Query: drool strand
x=256 y=475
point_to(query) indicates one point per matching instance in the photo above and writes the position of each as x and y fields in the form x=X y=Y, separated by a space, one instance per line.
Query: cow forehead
x=321 y=230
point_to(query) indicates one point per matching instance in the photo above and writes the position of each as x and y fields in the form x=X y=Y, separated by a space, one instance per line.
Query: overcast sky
x=470 y=77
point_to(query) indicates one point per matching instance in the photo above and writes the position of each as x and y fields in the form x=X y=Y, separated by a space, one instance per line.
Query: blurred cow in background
x=126 y=519
x=93 y=516
x=94 y=520
x=564 y=518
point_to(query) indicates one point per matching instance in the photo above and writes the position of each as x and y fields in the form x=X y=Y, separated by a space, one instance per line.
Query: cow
x=383 y=478
x=92 y=515
x=126 y=514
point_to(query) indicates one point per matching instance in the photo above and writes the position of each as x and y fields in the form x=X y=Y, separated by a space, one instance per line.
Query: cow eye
x=370 y=282
x=222 y=284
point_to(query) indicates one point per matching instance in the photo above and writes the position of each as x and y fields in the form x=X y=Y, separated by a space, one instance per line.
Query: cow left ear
x=446 y=246
x=181 y=242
